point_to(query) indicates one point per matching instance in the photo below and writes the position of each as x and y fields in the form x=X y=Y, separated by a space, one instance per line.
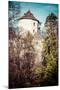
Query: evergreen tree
x=51 y=50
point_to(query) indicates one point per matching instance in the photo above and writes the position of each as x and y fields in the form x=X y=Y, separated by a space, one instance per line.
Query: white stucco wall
x=28 y=25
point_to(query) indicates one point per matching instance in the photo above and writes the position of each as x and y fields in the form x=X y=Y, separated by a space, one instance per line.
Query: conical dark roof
x=29 y=15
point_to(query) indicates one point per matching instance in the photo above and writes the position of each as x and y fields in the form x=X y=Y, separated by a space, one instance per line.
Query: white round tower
x=28 y=23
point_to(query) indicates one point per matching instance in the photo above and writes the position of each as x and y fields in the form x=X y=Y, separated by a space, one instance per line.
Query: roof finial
x=29 y=10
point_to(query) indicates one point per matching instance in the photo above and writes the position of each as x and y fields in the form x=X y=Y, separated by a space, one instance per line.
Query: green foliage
x=51 y=17
x=51 y=48
x=22 y=69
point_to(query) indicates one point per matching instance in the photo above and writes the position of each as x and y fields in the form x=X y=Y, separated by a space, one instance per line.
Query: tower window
x=33 y=30
x=34 y=23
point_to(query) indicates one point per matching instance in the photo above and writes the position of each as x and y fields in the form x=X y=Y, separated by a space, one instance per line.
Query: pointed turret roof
x=29 y=15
